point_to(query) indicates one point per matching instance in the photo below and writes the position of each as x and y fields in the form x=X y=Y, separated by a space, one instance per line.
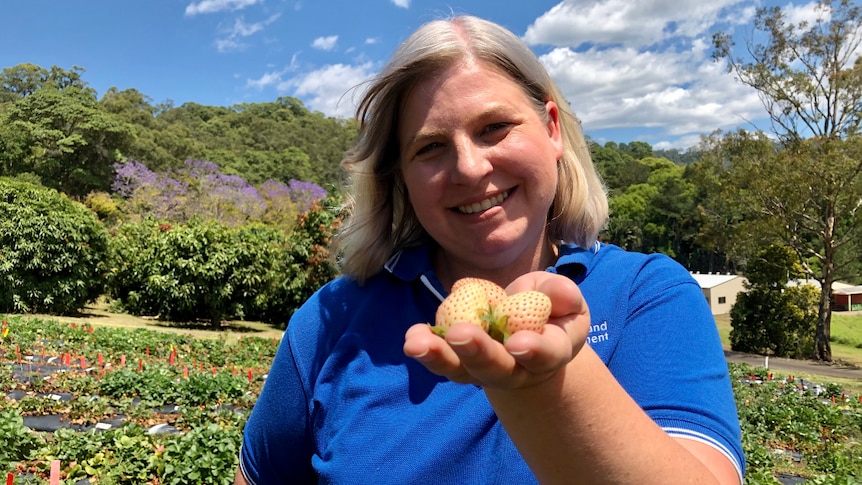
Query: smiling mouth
x=484 y=205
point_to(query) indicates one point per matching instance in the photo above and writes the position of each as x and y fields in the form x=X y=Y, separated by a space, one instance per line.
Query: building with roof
x=845 y=297
x=848 y=298
x=720 y=290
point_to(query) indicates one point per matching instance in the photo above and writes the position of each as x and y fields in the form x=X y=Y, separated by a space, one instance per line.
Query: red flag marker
x=250 y=377
x=101 y=359
x=83 y=362
x=172 y=358
x=186 y=372
x=140 y=365
x=10 y=478
x=55 y=472
x=123 y=360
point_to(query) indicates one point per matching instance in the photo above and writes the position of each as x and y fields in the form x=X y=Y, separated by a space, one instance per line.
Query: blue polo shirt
x=343 y=404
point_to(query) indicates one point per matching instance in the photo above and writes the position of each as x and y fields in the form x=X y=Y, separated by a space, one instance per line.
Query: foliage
x=808 y=74
x=19 y=443
x=789 y=426
x=770 y=317
x=199 y=269
x=204 y=455
x=308 y=263
x=25 y=79
x=52 y=251
x=62 y=137
x=200 y=189
x=653 y=215
x=809 y=78
x=280 y=140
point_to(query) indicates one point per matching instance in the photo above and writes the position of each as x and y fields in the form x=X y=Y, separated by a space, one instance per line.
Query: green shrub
x=205 y=269
x=307 y=264
x=201 y=269
x=52 y=251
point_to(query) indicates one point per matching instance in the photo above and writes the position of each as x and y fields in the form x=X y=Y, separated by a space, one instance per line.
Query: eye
x=493 y=127
x=427 y=148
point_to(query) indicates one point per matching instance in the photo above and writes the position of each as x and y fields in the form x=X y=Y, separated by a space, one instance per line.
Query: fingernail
x=519 y=353
x=420 y=356
x=458 y=343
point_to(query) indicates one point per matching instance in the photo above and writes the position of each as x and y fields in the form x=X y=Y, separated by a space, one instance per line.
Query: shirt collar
x=412 y=263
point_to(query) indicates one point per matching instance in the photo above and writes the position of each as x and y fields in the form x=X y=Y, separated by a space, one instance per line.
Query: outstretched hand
x=469 y=355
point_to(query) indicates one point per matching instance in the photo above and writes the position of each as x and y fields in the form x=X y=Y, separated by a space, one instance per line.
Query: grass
x=99 y=314
x=846 y=332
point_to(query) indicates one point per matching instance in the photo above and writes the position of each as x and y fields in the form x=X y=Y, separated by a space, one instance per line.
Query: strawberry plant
x=205 y=455
x=19 y=443
x=184 y=403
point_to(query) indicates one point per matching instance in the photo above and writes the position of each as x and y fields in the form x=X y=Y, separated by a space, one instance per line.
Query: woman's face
x=480 y=167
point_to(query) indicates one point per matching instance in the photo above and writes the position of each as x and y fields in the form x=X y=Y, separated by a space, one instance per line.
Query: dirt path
x=795 y=366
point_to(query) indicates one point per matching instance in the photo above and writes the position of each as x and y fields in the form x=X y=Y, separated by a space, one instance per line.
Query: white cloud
x=332 y=89
x=240 y=29
x=325 y=43
x=646 y=64
x=795 y=14
x=266 y=80
x=213 y=6
x=372 y=40
x=646 y=22
x=273 y=78
x=401 y=3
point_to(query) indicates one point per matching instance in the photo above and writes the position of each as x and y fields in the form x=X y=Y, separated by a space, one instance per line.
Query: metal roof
x=711 y=280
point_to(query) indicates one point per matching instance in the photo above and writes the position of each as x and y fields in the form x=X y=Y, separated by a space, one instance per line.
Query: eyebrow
x=494 y=110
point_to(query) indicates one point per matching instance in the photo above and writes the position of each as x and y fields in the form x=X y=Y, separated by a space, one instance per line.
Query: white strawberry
x=527 y=310
x=468 y=302
x=485 y=304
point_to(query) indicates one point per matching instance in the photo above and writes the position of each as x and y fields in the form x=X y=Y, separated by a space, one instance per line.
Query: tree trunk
x=822 y=333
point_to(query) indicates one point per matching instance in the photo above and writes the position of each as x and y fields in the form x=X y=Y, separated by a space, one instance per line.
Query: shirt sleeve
x=670 y=359
x=277 y=445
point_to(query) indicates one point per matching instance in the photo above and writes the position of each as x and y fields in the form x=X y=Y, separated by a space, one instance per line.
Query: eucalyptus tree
x=808 y=75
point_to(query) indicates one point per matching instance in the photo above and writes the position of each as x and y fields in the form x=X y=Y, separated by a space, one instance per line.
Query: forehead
x=458 y=86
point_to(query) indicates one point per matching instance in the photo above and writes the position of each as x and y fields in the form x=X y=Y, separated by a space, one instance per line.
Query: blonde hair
x=380 y=219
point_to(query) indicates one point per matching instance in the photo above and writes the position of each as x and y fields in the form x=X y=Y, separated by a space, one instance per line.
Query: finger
x=542 y=352
x=483 y=357
x=427 y=348
x=564 y=293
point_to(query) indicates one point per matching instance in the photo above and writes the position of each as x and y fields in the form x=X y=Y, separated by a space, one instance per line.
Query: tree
x=64 y=138
x=52 y=251
x=771 y=317
x=809 y=78
x=25 y=79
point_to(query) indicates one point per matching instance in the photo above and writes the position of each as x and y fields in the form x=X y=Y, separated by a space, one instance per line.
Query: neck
x=450 y=270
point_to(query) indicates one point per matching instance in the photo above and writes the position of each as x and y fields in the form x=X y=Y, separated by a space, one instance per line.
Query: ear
x=555 y=130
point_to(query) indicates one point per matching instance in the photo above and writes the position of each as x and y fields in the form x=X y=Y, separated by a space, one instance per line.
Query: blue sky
x=632 y=70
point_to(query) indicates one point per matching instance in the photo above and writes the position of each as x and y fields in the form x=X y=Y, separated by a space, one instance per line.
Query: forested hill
x=56 y=131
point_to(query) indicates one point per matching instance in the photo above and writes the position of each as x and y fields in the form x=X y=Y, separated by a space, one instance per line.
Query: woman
x=469 y=163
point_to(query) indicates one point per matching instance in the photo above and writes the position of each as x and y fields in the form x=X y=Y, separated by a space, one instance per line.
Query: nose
x=471 y=163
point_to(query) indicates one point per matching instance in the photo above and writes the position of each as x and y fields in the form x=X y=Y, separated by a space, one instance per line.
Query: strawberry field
x=86 y=405
x=106 y=405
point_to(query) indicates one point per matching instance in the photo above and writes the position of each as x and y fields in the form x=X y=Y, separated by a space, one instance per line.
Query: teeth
x=484 y=205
